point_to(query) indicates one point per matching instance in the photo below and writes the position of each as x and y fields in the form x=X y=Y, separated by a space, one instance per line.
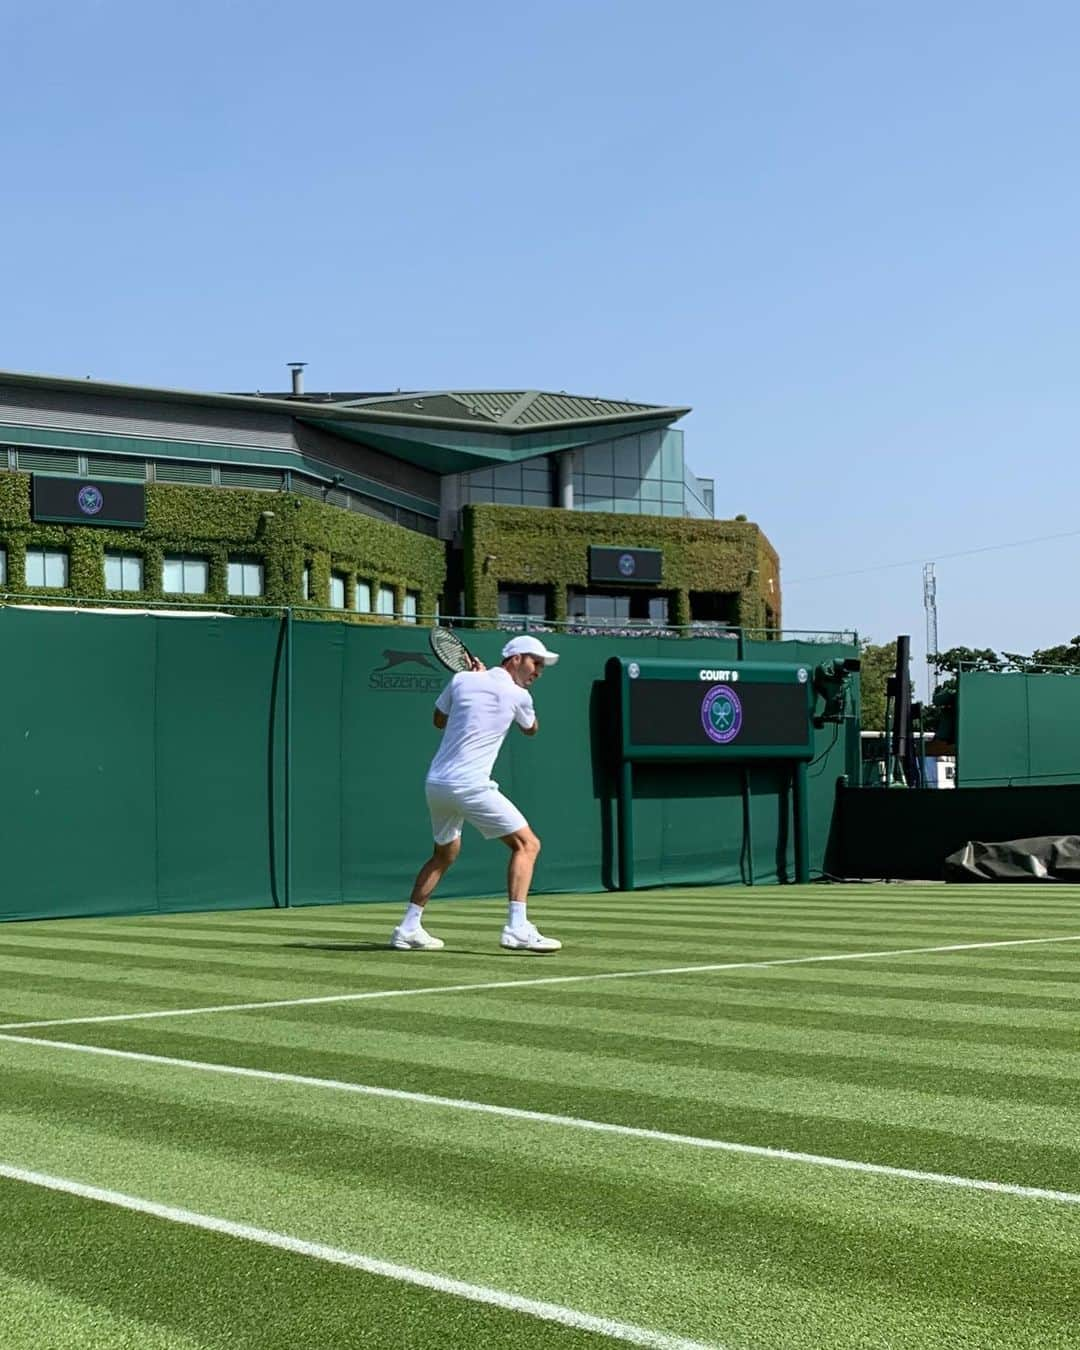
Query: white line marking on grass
x=568 y=1122
x=441 y=1284
x=515 y=984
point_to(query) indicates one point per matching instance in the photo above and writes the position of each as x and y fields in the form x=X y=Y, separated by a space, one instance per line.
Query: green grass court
x=153 y=1200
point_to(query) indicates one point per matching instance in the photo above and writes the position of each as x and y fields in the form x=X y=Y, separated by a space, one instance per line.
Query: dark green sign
x=86 y=501
x=626 y=566
x=686 y=710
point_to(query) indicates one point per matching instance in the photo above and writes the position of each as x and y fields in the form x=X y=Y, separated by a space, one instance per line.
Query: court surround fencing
x=152 y=764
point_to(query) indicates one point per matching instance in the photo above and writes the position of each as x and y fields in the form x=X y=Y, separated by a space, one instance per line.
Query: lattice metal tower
x=929 y=595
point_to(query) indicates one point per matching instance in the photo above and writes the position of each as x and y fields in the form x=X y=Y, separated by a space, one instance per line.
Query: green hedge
x=537 y=546
x=216 y=523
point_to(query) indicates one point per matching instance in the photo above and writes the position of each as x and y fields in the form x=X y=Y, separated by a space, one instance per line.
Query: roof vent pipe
x=297 y=368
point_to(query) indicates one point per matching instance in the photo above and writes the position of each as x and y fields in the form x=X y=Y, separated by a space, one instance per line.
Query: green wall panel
x=1015 y=729
x=77 y=787
x=212 y=738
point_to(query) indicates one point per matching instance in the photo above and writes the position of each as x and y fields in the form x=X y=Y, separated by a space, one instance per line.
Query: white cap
x=529 y=646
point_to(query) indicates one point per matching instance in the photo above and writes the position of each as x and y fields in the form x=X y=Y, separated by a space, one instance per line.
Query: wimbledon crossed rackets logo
x=90 y=500
x=721 y=714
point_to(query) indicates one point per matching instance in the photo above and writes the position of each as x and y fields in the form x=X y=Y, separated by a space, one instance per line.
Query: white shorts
x=484 y=807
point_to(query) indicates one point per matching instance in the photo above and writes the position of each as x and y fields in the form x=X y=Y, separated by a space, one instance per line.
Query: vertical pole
x=626 y=826
x=748 y=824
x=288 y=753
x=802 y=824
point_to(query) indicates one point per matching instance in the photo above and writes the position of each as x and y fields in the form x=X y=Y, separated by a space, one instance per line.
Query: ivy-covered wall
x=535 y=546
x=223 y=523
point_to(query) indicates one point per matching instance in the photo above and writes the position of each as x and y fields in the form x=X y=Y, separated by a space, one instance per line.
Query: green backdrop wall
x=155 y=763
x=1015 y=729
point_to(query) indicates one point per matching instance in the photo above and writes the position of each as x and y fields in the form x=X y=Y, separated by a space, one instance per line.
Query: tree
x=878 y=663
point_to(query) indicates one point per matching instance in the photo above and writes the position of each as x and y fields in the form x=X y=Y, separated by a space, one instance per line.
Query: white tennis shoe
x=527 y=939
x=415 y=940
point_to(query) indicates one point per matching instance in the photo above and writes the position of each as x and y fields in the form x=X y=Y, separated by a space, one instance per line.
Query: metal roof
x=510 y=410
x=505 y=411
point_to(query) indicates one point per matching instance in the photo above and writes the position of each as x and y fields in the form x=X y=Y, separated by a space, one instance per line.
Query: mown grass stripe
x=474 y=1293
x=548 y=980
x=570 y=1122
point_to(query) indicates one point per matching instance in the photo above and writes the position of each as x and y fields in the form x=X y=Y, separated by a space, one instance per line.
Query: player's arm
x=443 y=705
x=525 y=715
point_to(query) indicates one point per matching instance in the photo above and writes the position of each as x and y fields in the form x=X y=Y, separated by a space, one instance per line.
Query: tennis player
x=474 y=712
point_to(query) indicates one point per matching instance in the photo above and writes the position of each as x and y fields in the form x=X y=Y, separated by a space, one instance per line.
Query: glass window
x=337 y=591
x=506 y=496
x=650 y=490
x=596 y=485
x=46 y=567
x=307 y=581
x=627 y=488
x=671 y=455
x=515 y=601
x=598 y=458
x=362 y=600
x=123 y=572
x=535 y=480
x=650 y=454
x=599 y=606
x=3 y=566
x=385 y=600
x=507 y=476
x=672 y=492
x=625 y=451
x=412 y=606
x=246 y=578
x=185 y=574
x=536 y=499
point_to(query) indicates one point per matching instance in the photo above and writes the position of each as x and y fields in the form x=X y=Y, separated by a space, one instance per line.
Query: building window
x=522 y=602
x=3 y=566
x=363 y=597
x=185 y=574
x=306 y=584
x=123 y=572
x=337 y=590
x=47 y=567
x=412 y=606
x=246 y=578
x=386 y=601
x=636 y=607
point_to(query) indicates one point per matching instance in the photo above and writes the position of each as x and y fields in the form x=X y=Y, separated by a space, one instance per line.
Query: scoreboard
x=744 y=710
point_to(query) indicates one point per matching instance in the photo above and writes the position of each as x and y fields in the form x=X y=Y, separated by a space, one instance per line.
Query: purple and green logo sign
x=90 y=500
x=721 y=714
x=627 y=564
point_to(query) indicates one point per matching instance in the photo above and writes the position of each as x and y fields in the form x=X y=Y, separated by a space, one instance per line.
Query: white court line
x=516 y=984
x=442 y=1284
x=568 y=1122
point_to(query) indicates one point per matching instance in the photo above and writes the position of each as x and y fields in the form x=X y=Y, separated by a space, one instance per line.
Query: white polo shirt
x=480 y=705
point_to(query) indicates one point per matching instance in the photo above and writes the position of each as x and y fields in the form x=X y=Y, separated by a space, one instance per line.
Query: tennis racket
x=450 y=650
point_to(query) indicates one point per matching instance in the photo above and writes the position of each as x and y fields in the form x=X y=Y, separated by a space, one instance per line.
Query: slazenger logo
x=426 y=680
x=731 y=675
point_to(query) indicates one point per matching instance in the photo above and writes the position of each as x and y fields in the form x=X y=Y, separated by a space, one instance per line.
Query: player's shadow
x=385 y=949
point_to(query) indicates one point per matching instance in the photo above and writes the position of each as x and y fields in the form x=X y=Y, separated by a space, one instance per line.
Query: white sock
x=412 y=918
x=517 y=919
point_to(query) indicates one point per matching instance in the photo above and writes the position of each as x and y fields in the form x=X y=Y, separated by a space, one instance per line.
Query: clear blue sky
x=845 y=233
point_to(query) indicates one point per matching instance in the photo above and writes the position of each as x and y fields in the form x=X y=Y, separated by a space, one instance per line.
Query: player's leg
x=519 y=934
x=496 y=817
x=446 y=822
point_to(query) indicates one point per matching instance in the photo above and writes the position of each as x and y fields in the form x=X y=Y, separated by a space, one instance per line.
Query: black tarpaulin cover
x=1047 y=858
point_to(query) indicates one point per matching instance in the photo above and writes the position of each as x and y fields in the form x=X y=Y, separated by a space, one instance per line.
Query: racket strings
x=450 y=650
